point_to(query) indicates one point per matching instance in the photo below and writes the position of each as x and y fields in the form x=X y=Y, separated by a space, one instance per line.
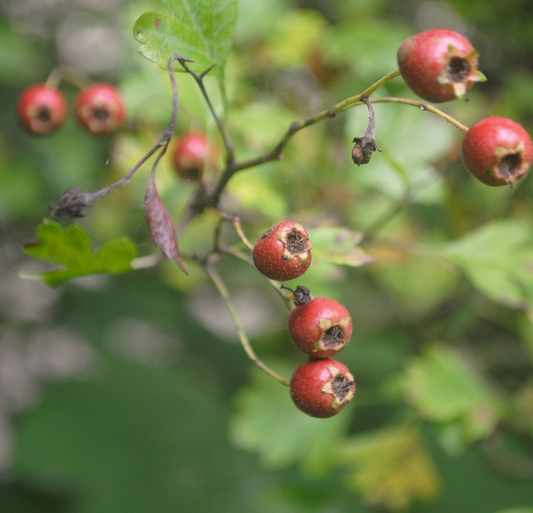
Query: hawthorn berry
x=439 y=65
x=319 y=327
x=191 y=154
x=497 y=151
x=322 y=388
x=100 y=108
x=283 y=252
x=42 y=109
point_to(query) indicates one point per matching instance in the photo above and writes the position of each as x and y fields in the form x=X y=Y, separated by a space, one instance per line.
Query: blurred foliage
x=143 y=400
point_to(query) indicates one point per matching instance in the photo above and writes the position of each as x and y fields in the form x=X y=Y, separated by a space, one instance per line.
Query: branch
x=74 y=203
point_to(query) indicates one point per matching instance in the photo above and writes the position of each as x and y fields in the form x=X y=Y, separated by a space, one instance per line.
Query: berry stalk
x=424 y=107
x=224 y=292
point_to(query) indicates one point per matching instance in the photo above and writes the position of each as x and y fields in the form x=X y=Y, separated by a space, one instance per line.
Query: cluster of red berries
x=440 y=65
x=319 y=327
x=99 y=108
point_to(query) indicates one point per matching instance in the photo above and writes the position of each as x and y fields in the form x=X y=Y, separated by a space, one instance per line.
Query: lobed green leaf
x=70 y=248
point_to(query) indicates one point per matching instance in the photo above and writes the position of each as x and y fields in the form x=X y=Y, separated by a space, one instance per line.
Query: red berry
x=320 y=327
x=283 y=252
x=192 y=153
x=42 y=109
x=322 y=388
x=497 y=151
x=439 y=65
x=100 y=108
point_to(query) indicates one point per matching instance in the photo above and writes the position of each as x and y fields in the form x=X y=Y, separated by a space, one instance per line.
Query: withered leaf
x=160 y=225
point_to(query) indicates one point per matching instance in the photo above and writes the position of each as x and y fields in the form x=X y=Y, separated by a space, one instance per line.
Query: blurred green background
x=132 y=394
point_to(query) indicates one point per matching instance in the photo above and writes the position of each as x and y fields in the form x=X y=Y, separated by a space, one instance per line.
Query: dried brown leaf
x=160 y=225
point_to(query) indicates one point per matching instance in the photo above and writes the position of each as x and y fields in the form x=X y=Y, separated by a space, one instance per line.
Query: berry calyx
x=322 y=388
x=192 y=153
x=497 y=151
x=439 y=65
x=100 y=108
x=283 y=252
x=320 y=327
x=42 y=109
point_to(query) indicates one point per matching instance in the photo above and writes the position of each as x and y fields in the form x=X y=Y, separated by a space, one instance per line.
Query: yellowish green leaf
x=390 y=468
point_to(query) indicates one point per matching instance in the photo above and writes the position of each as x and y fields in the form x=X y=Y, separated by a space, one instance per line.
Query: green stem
x=296 y=126
x=246 y=258
x=224 y=292
x=424 y=107
x=67 y=73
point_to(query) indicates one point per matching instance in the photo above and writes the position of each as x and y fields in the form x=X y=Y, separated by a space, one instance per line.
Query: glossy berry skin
x=497 y=151
x=320 y=328
x=283 y=252
x=191 y=154
x=439 y=65
x=99 y=108
x=42 y=109
x=322 y=388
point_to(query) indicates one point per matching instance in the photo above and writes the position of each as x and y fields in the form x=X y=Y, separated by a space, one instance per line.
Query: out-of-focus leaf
x=517 y=510
x=161 y=225
x=268 y=423
x=339 y=245
x=71 y=249
x=255 y=192
x=498 y=259
x=198 y=30
x=135 y=439
x=418 y=286
x=294 y=36
x=444 y=388
x=390 y=467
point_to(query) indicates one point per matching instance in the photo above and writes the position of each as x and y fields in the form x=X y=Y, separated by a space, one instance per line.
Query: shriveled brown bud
x=366 y=144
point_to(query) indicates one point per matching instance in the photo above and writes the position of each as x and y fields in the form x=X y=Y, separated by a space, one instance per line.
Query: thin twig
x=294 y=127
x=74 y=203
x=224 y=292
x=199 y=78
x=424 y=107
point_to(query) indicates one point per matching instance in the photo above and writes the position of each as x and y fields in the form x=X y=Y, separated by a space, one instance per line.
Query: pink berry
x=319 y=327
x=322 y=388
x=439 y=65
x=191 y=154
x=497 y=151
x=100 y=108
x=42 y=109
x=283 y=252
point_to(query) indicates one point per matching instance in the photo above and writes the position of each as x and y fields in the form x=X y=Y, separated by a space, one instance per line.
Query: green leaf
x=390 y=467
x=70 y=248
x=444 y=388
x=498 y=259
x=200 y=30
x=339 y=246
x=268 y=423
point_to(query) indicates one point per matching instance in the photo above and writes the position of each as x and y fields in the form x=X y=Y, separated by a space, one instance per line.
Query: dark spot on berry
x=100 y=113
x=509 y=164
x=44 y=115
x=341 y=386
x=296 y=242
x=458 y=69
x=333 y=336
